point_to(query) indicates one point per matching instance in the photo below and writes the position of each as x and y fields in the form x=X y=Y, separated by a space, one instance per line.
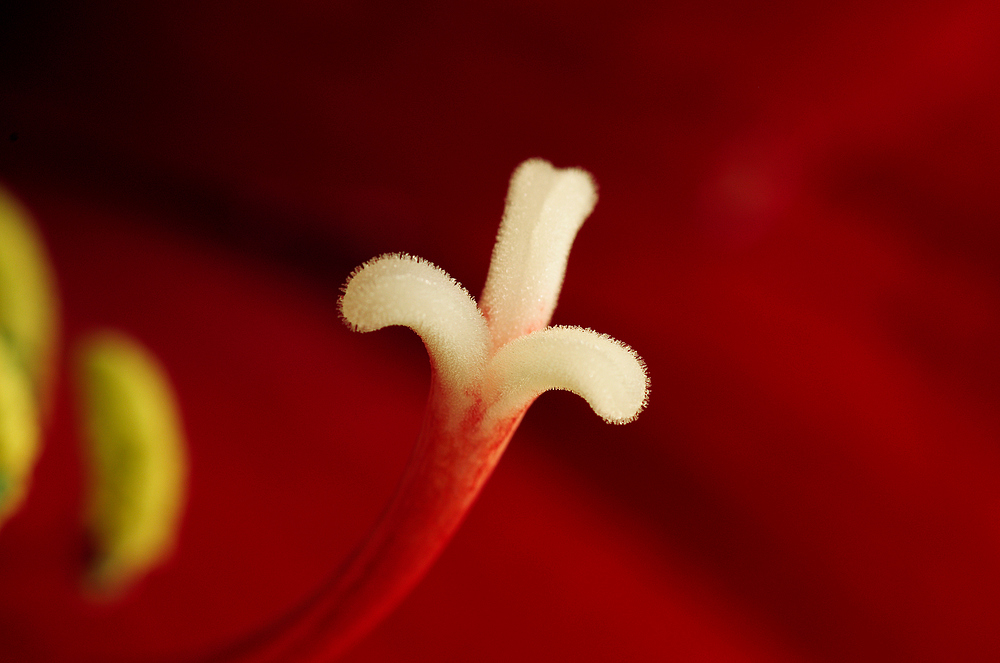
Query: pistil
x=489 y=362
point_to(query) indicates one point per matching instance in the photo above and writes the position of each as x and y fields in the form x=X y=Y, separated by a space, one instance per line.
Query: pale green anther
x=137 y=459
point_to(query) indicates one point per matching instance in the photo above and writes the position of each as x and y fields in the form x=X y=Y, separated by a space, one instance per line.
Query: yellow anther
x=28 y=321
x=18 y=432
x=137 y=458
x=28 y=303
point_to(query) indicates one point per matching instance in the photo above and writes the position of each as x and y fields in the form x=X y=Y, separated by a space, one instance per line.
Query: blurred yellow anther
x=28 y=321
x=137 y=459
x=18 y=432
x=28 y=306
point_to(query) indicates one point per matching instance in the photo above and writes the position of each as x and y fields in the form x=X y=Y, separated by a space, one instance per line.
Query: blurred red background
x=797 y=229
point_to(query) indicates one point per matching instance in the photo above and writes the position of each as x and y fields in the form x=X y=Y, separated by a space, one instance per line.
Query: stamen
x=137 y=460
x=136 y=447
x=28 y=302
x=28 y=322
x=19 y=431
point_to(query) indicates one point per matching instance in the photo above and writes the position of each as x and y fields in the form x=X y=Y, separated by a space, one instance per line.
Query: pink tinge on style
x=489 y=362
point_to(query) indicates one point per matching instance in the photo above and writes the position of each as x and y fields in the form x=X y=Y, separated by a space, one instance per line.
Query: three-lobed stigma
x=489 y=362
x=500 y=355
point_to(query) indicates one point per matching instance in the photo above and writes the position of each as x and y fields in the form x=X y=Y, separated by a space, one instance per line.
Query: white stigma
x=605 y=372
x=545 y=209
x=505 y=355
x=398 y=289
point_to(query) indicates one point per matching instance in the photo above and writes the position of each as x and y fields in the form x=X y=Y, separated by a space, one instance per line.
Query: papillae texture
x=500 y=356
x=489 y=364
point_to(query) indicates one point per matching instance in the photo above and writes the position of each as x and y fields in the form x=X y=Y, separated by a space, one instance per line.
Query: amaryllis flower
x=797 y=228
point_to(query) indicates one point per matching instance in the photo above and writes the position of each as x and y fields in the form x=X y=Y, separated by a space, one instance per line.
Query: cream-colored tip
x=608 y=374
x=545 y=208
x=137 y=457
x=398 y=289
